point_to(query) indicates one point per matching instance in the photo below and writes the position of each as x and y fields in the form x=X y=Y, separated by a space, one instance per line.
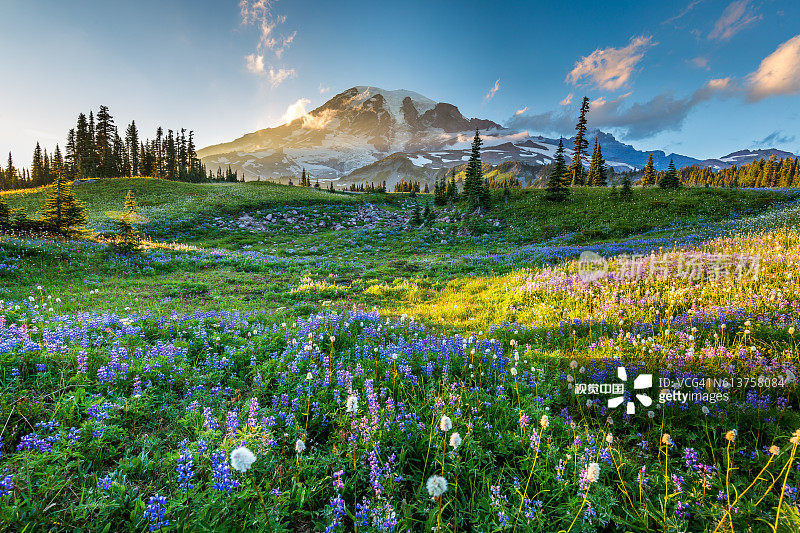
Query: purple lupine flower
x=209 y=421
x=222 y=472
x=6 y=484
x=156 y=511
x=185 y=472
x=104 y=483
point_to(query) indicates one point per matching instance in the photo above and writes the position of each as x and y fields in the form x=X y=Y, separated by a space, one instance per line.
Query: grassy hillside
x=159 y=199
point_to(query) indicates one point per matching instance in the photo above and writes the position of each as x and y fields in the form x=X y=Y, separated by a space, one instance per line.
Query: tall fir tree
x=597 y=169
x=580 y=146
x=37 y=166
x=104 y=142
x=11 y=174
x=132 y=144
x=669 y=180
x=62 y=213
x=557 y=190
x=475 y=190
x=649 y=177
x=70 y=155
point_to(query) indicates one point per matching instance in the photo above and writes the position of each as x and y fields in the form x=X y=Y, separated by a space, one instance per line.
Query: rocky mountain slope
x=368 y=134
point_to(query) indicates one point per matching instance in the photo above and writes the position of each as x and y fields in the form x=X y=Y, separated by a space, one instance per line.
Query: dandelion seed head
x=436 y=485
x=352 y=404
x=593 y=472
x=445 y=424
x=242 y=459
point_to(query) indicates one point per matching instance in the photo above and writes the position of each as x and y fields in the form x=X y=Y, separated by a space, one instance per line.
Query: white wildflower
x=299 y=446
x=436 y=485
x=352 y=404
x=445 y=424
x=544 y=422
x=593 y=472
x=242 y=459
x=455 y=441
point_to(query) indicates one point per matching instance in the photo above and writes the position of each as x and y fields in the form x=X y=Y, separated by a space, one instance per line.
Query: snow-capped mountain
x=354 y=128
x=743 y=157
x=366 y=132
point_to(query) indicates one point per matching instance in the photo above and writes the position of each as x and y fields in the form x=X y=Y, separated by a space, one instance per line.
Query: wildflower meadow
x=328 y=383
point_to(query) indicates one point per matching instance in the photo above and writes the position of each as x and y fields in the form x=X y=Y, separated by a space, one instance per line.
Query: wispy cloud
x=492 y=91
x=323 y=89
x=611 y=68
x=296 y=110
x=778 y=73
x=776 y=137
x=259 y=13
x=567 y=100
x=700 y=62
x=278 y=76
x=683 y=12
x=255 y=63
x=638 y=120
x=736 y=17
x=518 y=112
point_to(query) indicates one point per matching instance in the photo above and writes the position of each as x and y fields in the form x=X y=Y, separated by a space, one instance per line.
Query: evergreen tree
x=580 y=146
x=626 y=194
x=11 y=174
x=132 y=145
x=104 y=138
x=127 y=238
x=597 y=169
x=557 y=190
x=5 y=212
x=70 y=156
x=670 y=178
x=649 y=172
x=62 y=213
x=416 y=218
x=37 y=166
x=475 y=190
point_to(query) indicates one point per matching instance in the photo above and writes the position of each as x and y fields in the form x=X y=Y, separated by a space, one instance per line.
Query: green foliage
x=557 y=190
x=127 y=238
x=62 y=212
x=649 y=172
x=576 y=172
x=626 y=194
x=5 y=214
x=669 y=180
x=475 y=190
x=597 y=169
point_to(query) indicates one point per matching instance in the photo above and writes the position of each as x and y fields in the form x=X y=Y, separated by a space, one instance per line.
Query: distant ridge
x=367 y=130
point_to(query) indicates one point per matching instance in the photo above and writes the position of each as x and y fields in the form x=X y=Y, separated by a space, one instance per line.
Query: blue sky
x=697 y=77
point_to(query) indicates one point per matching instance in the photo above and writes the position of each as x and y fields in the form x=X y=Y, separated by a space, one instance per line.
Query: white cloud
x=736 y=17
x=683 y=12
x=778 y=73
x=255 y=63
x=295 y=110
x=322 y=89
x=567 y=100
x=259 y=13
x=518 y=112
x=700 y=62
x=278 y=76
x=492 y=91
x=611 y=68
x=635 y=120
